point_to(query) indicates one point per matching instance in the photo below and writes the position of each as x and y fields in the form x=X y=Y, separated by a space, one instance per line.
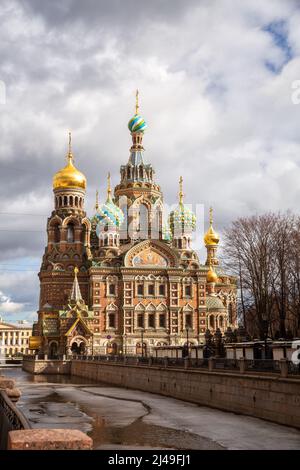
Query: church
x=122 y=281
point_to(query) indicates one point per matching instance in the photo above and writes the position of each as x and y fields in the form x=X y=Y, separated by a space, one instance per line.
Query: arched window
x=140 y=320
x=221 y=322
x=70 y=233
x=212 y=322
x=111 y=320
x=141 y=172
x=84 y=235
x=65 y=201
x=112 y=289
x=76 y=201
x=128 y=172
x=123 y=226
x=188 y=320
x=230 y=314
x=143 y=221
x=151 y=320
x=71 y=200
x=56 y=233
x=162 y=320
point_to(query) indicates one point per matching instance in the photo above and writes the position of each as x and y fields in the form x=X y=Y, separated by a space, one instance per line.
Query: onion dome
x=137 y=123
x=182 y=217
x=211 y=237
x=214 y=303
x=69 y=176
x=109 y=212
x=211 y=275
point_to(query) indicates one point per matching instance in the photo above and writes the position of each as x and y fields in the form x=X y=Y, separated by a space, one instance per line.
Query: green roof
x=214 y=303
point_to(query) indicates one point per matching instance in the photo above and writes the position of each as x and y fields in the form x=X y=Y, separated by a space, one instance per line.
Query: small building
x=14 y=338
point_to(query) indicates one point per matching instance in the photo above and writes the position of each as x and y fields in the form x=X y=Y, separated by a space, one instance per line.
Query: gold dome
x=211 y=237
x=211 y=275
x=69 y=176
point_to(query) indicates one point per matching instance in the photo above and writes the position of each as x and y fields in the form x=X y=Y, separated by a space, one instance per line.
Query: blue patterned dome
x=108 y=213
x=137 y=124
x=182 y=218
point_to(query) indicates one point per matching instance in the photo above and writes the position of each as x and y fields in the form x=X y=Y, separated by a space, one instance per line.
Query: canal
x=117 y=418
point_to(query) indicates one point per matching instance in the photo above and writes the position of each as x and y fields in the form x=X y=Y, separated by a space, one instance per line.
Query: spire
x=137 y=102
x=180 y=194
x=210 y=216
x=75 y=293
x=97 y=200
x=108 y=187
x=211 y=241
x=70 y=154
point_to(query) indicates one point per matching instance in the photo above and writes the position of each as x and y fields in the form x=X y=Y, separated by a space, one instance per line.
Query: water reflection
x=57 y=401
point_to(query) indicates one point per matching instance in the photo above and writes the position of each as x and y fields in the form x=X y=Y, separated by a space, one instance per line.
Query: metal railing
x=217 y=363
x=263 y=365
x=11 y=419
x=223 y=363
x=293 y=369
x=213 y=363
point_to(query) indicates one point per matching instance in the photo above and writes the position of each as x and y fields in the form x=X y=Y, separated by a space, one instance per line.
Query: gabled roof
x=78 y=320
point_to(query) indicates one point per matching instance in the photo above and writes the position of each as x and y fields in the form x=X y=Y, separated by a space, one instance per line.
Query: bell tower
x=68 y=231
x=211 y=241
x=138 y=195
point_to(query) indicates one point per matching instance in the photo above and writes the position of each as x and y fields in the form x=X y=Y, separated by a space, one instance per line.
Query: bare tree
x=257 y=252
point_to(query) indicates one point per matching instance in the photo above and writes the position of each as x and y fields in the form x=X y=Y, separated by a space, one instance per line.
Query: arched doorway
x=53 y=350
x=112 y=349
x=141 y=349
x=78 y=347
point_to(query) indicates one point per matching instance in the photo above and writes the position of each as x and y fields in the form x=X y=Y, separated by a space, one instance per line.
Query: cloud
x=215 y=82
x=7 y=306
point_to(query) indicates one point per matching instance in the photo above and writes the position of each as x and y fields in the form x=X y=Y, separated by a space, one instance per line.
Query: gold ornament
x=69 y=176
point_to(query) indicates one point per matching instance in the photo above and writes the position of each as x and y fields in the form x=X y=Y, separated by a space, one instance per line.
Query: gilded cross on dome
x=137 y=102
x=210 y=215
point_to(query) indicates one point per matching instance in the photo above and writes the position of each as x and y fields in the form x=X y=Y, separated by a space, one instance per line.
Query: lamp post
x=142 y=338
x=265 y=325
x=187 y=340
x=169 y=336
x=125 y=343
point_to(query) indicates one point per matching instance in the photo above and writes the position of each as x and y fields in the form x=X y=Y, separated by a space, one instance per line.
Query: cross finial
x=181 y=190
x=108 y=185
x=76 y=270
x=70 y=155
x=210 y=216
x=97 y=200
x=137 y=102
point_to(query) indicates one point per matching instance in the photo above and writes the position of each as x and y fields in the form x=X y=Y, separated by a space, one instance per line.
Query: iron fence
x=224 y=363
x=11 y=419
x=263 y=365
x=293 y=369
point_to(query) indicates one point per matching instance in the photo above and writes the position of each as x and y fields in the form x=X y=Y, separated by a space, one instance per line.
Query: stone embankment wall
x=261 y=395
x=36 y=366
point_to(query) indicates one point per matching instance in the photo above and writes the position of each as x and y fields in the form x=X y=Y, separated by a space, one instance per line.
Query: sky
x=219 y=84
